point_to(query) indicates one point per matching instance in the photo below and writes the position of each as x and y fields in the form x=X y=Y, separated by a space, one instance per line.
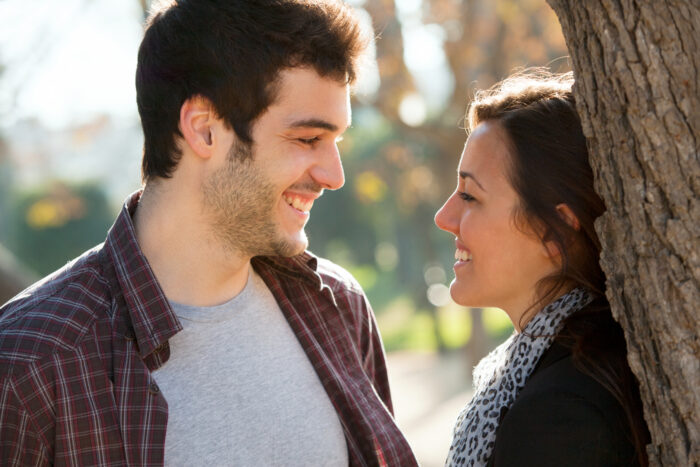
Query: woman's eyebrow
x=463 y=175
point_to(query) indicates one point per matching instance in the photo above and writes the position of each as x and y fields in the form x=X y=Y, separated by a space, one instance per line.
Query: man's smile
x=298 y=202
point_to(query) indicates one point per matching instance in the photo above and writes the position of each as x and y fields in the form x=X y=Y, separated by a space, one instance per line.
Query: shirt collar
x=152 y=317
x=304 y=266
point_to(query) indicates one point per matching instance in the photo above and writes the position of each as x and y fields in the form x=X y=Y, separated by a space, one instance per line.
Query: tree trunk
x=638 y=92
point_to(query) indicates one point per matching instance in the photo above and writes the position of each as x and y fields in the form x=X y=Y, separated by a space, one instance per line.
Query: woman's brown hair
x=549 y=167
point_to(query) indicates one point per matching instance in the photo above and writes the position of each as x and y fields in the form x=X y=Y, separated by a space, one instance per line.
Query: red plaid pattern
x=77 y=351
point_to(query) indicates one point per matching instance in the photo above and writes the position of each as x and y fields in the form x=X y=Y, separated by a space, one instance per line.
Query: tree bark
x=637 y=87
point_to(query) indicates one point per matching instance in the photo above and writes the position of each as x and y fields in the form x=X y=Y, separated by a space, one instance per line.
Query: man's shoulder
x=56 y=312
x=336 y=277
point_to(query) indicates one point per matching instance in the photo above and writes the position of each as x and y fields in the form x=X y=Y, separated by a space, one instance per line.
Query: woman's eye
x=466 y=196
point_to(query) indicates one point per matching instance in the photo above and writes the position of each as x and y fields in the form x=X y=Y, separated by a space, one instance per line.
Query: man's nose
x=328 y=171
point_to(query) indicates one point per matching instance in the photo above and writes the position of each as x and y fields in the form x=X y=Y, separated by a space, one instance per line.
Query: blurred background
x=70 y=149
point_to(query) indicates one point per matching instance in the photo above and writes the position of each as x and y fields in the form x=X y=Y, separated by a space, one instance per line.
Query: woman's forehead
x=486 y=154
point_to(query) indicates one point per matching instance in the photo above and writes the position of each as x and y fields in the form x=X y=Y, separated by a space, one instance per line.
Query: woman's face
x=498 y=265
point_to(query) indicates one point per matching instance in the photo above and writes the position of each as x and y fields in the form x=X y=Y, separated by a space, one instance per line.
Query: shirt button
x=153 y=389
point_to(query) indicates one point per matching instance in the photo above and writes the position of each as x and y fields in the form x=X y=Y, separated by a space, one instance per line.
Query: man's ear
x=197 y=118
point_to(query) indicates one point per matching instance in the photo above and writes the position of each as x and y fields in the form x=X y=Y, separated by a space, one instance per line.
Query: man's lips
x=302 y=203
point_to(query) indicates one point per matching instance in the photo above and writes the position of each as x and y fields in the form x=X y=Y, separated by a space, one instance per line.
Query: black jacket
x=563 y=417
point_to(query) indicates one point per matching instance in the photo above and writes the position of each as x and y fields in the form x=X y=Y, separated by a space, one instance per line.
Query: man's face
x=260 y=205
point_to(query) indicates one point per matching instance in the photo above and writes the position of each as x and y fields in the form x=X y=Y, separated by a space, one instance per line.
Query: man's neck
x=189 y=262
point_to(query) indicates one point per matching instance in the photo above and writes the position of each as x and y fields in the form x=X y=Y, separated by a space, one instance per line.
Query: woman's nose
x=446 y=218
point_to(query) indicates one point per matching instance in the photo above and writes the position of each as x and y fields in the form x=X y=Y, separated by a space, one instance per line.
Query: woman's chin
x=462 y=296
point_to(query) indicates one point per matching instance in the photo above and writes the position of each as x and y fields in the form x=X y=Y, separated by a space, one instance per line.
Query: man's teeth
x=297 y=203
x=463 y=255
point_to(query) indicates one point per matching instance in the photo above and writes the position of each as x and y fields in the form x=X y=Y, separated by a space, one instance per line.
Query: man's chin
x=292 y=246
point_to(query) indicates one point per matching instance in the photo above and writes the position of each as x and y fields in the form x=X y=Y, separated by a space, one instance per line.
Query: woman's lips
x=462 y=255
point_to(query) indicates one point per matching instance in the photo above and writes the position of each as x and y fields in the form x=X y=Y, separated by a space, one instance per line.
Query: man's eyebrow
x=313 y=123
x=464 y=175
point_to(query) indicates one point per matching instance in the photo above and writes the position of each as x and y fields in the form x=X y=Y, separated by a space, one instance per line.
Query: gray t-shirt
x=241 y=391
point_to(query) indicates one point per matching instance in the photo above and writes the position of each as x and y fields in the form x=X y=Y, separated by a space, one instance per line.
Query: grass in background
x=404 y=328
x=455 y=325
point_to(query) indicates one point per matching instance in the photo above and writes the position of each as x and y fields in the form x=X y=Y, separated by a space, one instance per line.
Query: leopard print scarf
x=501 y=375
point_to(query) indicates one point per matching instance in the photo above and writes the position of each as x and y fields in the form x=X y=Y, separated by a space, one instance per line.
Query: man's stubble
x=241 y=206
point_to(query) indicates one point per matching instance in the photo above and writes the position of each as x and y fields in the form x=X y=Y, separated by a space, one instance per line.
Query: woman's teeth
x=298 y=203
x=463 y=255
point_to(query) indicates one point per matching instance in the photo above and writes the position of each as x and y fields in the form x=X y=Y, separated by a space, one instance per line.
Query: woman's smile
x=481 y=216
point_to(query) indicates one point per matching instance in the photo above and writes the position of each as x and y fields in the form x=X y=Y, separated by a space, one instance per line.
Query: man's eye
x=309 y=140
x=466 y=196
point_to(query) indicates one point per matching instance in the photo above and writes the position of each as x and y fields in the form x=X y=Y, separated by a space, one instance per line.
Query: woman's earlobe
x=550 y=248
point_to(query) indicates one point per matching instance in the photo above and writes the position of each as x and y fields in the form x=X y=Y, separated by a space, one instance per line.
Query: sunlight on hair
x=524 y=85
x=524 y=78
x=158 y=6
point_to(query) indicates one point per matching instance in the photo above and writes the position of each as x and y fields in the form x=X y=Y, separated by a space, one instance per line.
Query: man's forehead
x=333 y=116
x=304 y=82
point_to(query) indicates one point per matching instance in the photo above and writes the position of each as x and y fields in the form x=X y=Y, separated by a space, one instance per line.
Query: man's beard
x=241 y=207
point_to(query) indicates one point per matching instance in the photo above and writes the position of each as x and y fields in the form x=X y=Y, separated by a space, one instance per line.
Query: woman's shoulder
x=557 y=374
x=563 y=417
x=589 y=373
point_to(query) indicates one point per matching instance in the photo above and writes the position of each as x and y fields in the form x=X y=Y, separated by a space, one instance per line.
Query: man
x=202 y=316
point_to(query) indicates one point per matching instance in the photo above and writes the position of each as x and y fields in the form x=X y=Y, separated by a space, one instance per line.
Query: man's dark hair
x=231 y=52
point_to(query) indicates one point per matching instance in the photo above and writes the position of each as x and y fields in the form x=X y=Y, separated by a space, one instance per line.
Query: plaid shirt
x=77 y=352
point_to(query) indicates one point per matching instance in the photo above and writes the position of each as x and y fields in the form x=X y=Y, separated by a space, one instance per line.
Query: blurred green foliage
x=55 y=222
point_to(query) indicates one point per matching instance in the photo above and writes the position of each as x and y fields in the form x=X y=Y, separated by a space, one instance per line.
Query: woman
x=559 y=392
